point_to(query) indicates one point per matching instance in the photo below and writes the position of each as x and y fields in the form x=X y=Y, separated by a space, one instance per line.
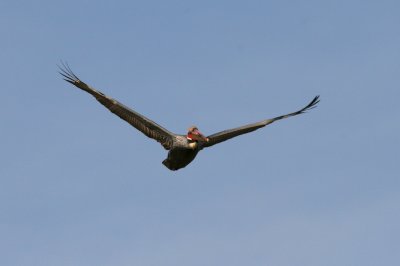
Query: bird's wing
x=140 y=122
x=231 y=133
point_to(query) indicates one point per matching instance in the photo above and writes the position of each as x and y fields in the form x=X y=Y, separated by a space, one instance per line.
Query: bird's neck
x=192 y=143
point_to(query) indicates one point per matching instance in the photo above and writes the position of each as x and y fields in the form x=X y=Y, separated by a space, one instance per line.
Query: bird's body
x=182 y=153
x=182 y=148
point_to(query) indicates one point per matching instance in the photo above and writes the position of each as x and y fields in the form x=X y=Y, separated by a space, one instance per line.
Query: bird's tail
x=169 y=165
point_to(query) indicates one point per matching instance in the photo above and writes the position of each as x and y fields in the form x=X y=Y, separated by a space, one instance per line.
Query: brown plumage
x=182 y=148
x=140 y=122
x=231 y=133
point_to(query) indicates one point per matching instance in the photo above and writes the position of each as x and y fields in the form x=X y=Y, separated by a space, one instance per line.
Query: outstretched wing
x=231 y=133
x=140 y=122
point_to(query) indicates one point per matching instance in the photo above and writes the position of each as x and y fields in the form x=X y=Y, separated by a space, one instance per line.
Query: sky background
x=79 y=186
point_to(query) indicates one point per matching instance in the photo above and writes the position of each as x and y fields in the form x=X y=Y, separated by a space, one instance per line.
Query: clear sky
x=79 y=186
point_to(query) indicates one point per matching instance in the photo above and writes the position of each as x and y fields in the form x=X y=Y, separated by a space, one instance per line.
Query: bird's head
x=195 y=135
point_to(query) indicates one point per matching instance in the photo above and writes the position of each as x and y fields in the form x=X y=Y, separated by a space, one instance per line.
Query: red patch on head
x=190 y=136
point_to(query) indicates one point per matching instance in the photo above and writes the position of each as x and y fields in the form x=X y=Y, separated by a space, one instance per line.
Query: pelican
x=182 y=148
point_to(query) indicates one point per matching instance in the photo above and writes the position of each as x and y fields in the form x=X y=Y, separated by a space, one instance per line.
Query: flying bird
x=182 y=148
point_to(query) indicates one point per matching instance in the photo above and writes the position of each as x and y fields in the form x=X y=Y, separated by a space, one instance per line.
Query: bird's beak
x=197 y=135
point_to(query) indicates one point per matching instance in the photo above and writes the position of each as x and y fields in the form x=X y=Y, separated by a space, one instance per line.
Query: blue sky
x=78 y=186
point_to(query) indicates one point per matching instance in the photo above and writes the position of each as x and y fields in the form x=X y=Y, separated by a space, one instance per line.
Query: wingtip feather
x=67 y=73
